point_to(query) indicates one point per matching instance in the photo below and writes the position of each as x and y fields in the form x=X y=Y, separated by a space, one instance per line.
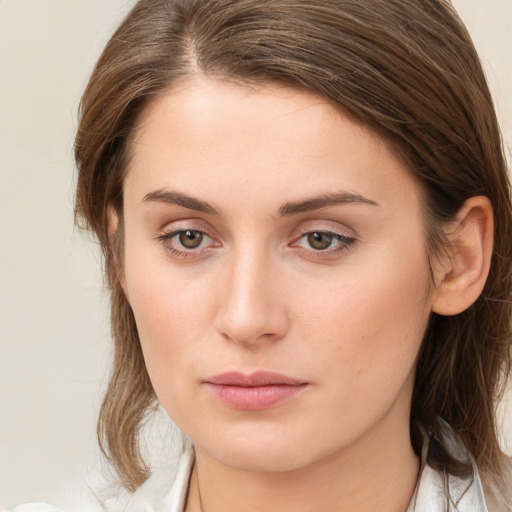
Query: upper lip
x=260 y=378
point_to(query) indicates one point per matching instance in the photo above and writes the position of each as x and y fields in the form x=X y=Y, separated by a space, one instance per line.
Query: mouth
x=254 y=392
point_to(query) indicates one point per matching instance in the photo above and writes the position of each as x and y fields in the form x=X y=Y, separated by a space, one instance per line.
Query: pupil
x=191 y=239
x=319 y=240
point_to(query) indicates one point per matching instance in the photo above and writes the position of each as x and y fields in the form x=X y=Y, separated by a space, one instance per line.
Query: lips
x=253 y=392
x=254 y=379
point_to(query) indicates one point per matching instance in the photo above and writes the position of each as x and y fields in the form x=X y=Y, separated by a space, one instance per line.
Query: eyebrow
x=290 y=208
x=180 y=199
x=324 y=201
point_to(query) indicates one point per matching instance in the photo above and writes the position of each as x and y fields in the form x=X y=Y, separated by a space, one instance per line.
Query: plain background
x=54 y=334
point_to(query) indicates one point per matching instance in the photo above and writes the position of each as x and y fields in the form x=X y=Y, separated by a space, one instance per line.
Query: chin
x=265 y=453
x=261 y=460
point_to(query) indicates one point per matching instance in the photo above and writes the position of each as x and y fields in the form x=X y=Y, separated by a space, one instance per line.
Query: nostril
x=251 y=327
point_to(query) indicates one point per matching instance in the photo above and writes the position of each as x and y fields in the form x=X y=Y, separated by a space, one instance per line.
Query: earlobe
x=469 y=258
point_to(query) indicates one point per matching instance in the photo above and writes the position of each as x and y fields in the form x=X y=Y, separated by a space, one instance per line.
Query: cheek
x=371 y=323
x=171 y=312
x=171 y=326
x=171 y=316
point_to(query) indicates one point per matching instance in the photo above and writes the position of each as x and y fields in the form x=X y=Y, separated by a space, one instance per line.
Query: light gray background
x=54 y=335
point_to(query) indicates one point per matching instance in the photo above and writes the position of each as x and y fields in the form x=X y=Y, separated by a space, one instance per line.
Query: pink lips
x=253 y=392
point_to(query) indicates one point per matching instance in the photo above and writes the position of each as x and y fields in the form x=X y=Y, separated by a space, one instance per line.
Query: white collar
x=166 y=490
x=439 y=491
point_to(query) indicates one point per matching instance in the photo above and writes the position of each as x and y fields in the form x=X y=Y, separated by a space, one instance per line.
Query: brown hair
x=406 y=69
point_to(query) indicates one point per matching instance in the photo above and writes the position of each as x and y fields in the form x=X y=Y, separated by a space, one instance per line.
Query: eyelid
x=327 y=227
x=184 y=223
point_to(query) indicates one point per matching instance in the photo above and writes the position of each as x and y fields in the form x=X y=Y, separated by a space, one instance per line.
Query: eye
x=320 y=243
x=187 y=242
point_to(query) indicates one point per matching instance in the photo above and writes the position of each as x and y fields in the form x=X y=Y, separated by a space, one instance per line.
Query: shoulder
x=165 y=490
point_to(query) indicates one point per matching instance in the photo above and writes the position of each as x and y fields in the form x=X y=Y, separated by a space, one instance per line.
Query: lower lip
x=254 y=398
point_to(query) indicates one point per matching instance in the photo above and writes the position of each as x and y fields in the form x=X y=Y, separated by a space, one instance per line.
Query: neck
x=377 y=472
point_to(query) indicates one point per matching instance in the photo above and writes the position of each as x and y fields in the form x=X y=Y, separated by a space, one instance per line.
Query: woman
x=307 y=229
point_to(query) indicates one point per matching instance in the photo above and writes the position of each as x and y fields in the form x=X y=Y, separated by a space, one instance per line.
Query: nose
x=251 y=307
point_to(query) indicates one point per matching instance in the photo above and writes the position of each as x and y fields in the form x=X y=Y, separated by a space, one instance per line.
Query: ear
x=466 y=267
x=114 y=232
x=112 y=221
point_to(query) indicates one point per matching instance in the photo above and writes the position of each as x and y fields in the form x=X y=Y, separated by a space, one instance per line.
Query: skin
x=348 y=320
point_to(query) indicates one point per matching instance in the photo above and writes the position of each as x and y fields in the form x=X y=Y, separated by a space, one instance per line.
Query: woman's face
x=267 y=233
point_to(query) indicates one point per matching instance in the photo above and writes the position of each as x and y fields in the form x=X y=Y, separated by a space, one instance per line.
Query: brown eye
x=320 y=241
x=190 y=239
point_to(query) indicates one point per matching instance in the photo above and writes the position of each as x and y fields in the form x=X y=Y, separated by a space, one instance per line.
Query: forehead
x=226 y=137
x=200 y=108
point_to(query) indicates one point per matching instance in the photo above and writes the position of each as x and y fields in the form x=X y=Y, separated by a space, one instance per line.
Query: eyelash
x=344 y=243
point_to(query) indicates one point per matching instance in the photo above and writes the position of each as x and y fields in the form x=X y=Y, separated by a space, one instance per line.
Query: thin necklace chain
x=201 y=509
